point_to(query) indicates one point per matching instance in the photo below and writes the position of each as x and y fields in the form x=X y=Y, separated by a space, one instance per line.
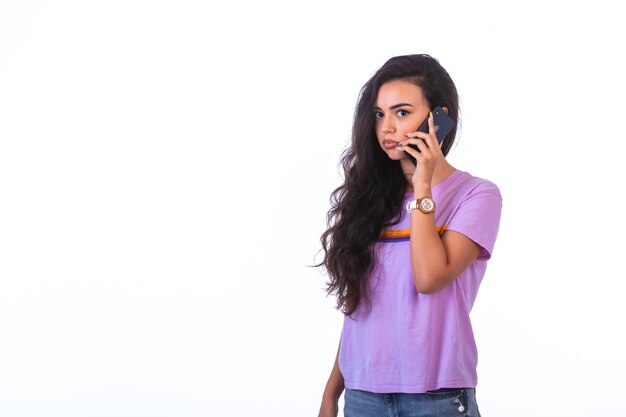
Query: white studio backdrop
x=165 y=172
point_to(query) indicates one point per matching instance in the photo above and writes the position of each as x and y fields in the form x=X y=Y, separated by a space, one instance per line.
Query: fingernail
x=399 y=144
x=431 y=115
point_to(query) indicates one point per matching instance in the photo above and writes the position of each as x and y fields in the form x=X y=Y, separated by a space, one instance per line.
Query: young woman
x=406 y=249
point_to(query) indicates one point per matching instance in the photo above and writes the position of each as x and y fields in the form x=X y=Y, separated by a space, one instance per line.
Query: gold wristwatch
x=424 y=204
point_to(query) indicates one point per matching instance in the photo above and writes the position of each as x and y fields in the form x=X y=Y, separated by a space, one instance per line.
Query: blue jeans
x=459 y=402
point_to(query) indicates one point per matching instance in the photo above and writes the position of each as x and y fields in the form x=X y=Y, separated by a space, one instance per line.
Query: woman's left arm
x=437 y=261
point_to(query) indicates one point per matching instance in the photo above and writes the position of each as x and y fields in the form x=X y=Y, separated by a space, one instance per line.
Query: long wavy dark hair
x=374 y=187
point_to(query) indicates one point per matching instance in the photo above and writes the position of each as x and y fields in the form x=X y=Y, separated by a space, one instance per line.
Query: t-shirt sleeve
x=478 y=217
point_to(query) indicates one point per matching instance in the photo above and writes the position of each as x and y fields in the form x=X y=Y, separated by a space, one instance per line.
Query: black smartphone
x=443 y=126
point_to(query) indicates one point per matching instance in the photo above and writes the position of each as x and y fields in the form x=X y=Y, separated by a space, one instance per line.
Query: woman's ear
x=445 y=109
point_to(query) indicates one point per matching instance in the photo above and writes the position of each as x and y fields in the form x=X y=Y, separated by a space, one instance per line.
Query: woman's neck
x=442 y=171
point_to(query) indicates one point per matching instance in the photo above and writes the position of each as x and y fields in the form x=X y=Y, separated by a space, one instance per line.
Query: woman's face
x=400 y=108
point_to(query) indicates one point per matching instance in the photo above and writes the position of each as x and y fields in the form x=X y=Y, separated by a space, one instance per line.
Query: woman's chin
x=395 y=155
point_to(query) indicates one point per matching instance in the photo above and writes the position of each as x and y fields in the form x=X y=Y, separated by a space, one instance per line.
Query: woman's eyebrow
x=395 y=106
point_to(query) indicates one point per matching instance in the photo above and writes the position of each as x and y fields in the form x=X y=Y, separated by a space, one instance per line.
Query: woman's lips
x=389 y=144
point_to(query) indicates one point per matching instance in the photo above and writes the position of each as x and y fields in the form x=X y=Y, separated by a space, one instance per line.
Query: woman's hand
x=428 y=157
x=329 y=408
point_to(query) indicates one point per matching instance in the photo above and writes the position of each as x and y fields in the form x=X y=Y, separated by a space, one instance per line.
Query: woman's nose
x=388 y=127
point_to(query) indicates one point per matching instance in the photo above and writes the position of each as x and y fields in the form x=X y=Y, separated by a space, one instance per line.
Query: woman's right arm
x=332 y=392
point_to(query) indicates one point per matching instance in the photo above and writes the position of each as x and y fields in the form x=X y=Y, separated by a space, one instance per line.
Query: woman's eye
x=378 y=115
x=402 y=113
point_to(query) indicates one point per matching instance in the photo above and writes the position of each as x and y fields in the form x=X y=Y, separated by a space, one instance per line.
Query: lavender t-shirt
x=412 y=342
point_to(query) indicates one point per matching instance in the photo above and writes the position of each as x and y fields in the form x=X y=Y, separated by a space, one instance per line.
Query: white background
x=165 y=172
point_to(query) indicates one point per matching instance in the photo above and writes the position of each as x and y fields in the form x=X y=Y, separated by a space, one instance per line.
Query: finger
x=412 y=151
x=421 y=136
x=413 y=141
x=419 y=143
x=432 y=133
x=416 y=134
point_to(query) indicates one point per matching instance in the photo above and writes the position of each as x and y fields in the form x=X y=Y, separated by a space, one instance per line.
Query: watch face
x=427 y=205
